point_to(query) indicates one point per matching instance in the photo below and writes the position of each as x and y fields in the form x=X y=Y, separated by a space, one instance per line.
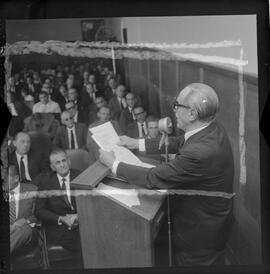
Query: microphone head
x=165 y=125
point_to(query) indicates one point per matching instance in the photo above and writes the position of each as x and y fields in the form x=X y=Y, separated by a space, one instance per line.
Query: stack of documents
x=107 y=139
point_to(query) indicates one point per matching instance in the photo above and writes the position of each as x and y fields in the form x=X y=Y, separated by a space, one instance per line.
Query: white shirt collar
x=71 y=128
x=19 y=156
x=60 y=178
x=194 y=131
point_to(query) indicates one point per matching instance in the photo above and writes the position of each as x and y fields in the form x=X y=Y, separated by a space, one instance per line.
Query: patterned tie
x=12 y=208
x=22 y=170
x=72 y=140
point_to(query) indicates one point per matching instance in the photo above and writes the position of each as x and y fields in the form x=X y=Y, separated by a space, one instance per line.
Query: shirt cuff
x=115 y=166
x=142 y=145
x=59 y=221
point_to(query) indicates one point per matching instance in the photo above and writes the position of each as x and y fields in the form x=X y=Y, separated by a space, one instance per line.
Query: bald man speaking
x=203 y=165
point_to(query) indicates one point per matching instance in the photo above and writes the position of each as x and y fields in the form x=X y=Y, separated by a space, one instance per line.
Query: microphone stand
x=168 y=204
x=165 y=139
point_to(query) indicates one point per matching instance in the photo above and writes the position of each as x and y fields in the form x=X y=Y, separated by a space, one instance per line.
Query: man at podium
x=203 y=166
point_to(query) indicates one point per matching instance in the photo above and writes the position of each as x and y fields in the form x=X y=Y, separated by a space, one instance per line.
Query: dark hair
x=43 y=92
x=151 y=118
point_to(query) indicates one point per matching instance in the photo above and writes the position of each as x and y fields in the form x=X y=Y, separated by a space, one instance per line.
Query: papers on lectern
x=107 y=139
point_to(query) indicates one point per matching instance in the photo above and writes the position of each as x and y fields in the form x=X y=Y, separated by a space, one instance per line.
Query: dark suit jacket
x=132 y=130
x=205 y=162
x=48 y=209
x=37 y=164
x=115 y=108
x=61 y=136
x=27 y=205
x=108 y=93
x=125 y=119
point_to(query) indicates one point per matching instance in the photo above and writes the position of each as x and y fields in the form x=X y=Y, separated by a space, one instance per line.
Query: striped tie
x=12 y=208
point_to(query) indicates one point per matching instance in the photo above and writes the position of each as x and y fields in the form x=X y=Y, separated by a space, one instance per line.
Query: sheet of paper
x=128 y=197
x=105 y=136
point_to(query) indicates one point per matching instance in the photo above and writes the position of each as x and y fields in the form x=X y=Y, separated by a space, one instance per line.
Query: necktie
x=142 y=130
x=22 y=170
x=12 y=208
x=120 y=103
x=72 y=140
x=65 y=191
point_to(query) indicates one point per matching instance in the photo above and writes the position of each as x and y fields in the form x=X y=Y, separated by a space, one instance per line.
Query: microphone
x=165 y=127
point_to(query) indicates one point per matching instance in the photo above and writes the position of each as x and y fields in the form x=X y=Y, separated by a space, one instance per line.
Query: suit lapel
x=66 y=137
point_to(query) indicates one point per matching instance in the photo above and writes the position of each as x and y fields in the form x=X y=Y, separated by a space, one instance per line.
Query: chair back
x=79 y=159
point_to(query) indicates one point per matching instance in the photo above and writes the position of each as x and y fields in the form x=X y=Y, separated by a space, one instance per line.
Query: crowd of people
x=52 y=110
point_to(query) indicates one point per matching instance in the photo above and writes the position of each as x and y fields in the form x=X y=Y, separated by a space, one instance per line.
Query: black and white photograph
x=134 y=142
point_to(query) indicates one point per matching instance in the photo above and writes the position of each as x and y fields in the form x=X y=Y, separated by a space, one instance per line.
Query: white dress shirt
x=50 y=107
x=25 y=161
x=69 y=137
x=141 y=134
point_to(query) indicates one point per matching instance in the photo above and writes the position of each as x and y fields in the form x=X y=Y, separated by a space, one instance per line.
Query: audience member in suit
x=70 y=135
x=127 y=116
x=99 y=102
x=110 y=90
x=21 y=212
x=152 y=127
x=17 y=108
x=78 y=115
x=58 y=213
x=138 y=128
x=45 y=105
x=29 y=163
x=117 y=103
x=103 y=115
x=201 y=224
x=61 y=97
x=80 y=101
x=96 y=85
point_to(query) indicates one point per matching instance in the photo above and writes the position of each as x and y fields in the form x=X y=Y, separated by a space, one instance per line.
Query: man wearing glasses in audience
x=78 y=116
x=138 y=128
x=70 y=135
x=204 y=165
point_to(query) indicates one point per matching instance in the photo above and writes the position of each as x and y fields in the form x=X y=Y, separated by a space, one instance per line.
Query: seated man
x=127 y=115
x=99 y=102
x=70 y=135
x=21 y=212
x=152 y=127
x=78 y=115
x=45 y=105
x=29 y=163
x=118 y=102
x=138 y=129
x=103 y=115
x=58 y=213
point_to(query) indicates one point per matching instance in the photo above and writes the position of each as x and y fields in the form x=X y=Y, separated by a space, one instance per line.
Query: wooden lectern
x=114 y=234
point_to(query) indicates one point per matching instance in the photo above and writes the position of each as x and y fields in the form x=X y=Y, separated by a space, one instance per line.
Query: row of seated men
x=57 y=213
x=44 y=165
